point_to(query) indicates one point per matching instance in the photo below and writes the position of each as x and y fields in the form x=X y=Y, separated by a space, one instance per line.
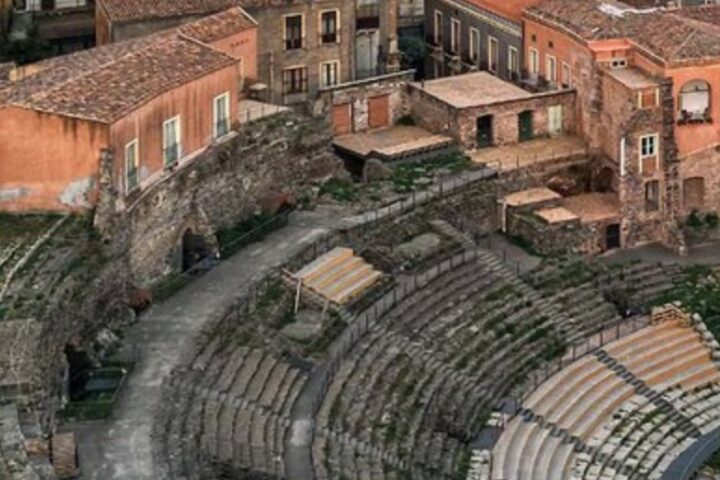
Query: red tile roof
x=218 y=26
x=511 y=9
x=106 y=83
x=132 y=10
x=664 y=34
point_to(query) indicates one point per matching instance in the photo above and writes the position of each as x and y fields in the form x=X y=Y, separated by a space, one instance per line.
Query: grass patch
x=340 y=190
x=406 y=176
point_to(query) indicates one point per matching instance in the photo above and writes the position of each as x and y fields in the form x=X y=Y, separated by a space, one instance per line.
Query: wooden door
x=379 y=111
x=525 y=126
x=342 y=119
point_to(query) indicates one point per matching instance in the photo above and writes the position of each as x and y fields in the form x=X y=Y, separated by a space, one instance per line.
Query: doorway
x=484 y=131
x=555 y=120
x=194 y=249
x=525 y=126
x=612 y=236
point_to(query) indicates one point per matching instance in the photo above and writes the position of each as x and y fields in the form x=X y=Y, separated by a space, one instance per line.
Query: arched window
x=694 y=102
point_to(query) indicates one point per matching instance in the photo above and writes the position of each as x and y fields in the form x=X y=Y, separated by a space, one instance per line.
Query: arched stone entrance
x=194 y=248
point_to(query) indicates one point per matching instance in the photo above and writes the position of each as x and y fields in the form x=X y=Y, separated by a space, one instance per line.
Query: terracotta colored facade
x=646 y=104
x=51 y=147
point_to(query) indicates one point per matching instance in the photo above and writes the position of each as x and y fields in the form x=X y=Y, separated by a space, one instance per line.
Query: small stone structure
x=362 y=105
x=456 y=105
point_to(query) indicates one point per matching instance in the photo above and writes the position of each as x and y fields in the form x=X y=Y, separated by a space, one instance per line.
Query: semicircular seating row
x=589 y=421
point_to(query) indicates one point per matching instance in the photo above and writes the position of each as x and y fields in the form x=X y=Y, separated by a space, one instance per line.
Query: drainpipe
x=272 y=77
x=623 y=142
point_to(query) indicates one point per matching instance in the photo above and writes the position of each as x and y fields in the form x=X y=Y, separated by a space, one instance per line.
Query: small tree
x=413 y=53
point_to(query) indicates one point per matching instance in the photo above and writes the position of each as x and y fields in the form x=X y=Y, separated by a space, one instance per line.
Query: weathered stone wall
x=358 y=94
x=461 y=124
x=706 y=165
x=222 y=187
x=548 y=238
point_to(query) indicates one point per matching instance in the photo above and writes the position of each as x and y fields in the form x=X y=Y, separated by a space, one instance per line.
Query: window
x=221 y=115
x=618 y=63
x=649 y=153
x=695 y=102
x=329 y=73
x=454 y=35
x=131 y=166
x=551 y=69
x=566 y=75
x=694 y=193
x=295 y=80
x=648 y=98
x=329 y=27
x=493 y=54
x=437 y=27
x=534 y=62
x=474 y=46
x=652 y=196
x=172 y=149
x=513 y=65
x=293 y=32
x=648 y=145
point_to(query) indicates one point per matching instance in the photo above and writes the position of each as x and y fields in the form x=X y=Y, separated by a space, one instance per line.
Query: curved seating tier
x=231 y=408
x=413 y=391
x=622 y=413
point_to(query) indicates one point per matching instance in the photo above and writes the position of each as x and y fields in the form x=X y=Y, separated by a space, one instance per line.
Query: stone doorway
x=612 y=236
x=194 y=249
x=484 y=131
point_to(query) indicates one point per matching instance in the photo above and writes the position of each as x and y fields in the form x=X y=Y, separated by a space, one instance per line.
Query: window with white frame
x=493 y=54
x=649 y=145
x=329 y=26
x=551 y=69
x=131 y=166
x=295 y=80
x=534 y=61
x=474 y=45
x=649 y=148
x=454 y=35
x=221 y=115
x=294 y=31
x=513 y=65
x=437 y=27
x=329 y=73
x=172 y=148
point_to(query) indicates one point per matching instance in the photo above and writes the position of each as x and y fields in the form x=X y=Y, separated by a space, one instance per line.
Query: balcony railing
x=294 y=43
x=689 y=117
x=329 y=37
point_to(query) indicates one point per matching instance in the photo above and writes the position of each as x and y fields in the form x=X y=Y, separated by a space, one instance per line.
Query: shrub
x=694 y=220
x=712 y=220
x=342 y=190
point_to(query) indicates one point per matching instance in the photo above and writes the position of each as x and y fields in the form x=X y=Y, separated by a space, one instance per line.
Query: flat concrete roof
x=472 y=90
x=594 y=207
x=556 y=215
x=530 y=196
x=632 y=78
x=391 y=142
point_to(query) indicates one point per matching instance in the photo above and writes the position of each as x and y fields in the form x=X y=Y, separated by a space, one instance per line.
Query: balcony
x=367 y=16
x=74 y=20
x=694 y=117
x=295 y=43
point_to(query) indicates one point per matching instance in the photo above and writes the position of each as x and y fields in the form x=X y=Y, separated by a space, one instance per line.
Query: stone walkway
x=654 y=253
x=121 y=448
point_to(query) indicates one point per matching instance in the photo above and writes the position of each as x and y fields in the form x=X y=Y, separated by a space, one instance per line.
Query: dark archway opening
x=194 y=249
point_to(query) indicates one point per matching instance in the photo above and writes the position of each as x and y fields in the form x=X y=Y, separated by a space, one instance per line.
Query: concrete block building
x=148 y=104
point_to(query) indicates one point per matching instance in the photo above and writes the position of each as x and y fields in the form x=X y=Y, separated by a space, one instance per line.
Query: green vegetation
x=248 y=231
x=698 y=290
x=339 y=189
x=331 y=332
x=413 y=52
x=407 y=177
